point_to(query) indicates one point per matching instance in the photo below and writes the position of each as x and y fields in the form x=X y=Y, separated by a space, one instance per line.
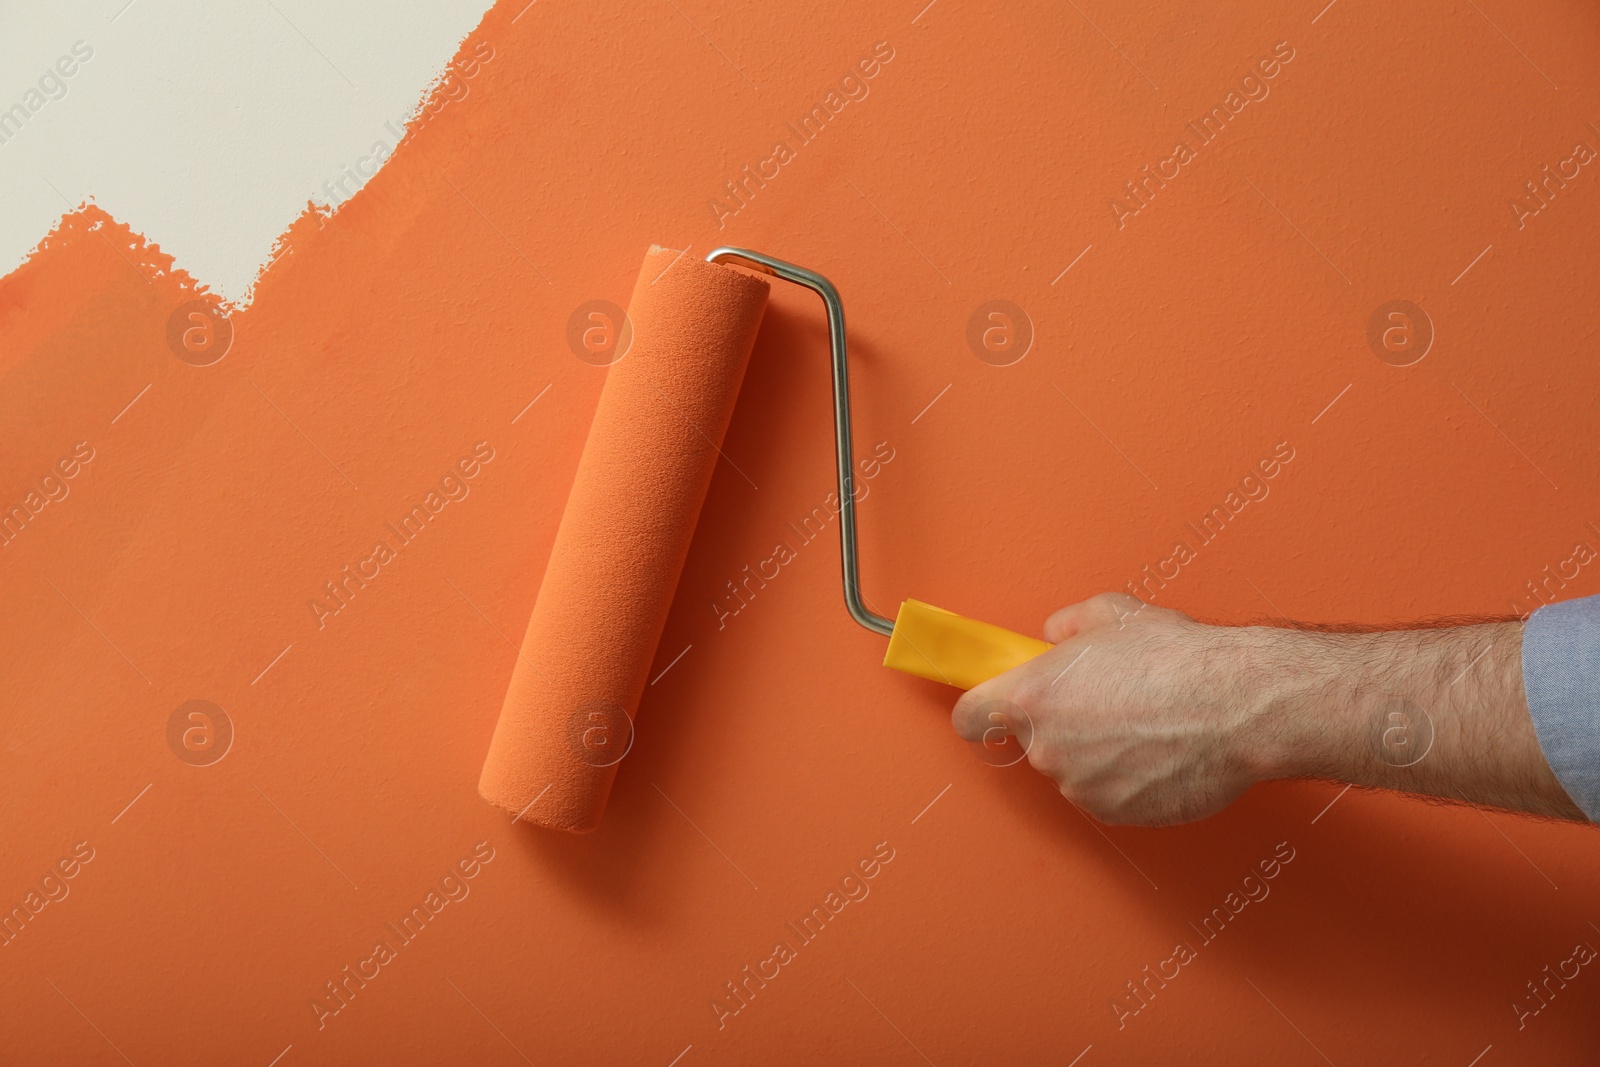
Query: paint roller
x=568 y=715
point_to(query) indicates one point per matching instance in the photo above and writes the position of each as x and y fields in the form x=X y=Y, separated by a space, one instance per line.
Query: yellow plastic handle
x=942 y=646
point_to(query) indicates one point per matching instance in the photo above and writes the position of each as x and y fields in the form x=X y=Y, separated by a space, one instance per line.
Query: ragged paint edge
x=143 y=255
x=148 y=259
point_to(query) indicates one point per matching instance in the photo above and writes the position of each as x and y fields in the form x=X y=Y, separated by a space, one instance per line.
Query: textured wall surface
x=1233 y=307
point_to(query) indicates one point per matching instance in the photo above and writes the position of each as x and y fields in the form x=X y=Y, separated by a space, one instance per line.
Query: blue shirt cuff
x=1561 y=678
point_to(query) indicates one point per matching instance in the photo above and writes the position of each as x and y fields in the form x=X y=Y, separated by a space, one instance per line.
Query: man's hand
x=1139 y=713
x=1142 y=715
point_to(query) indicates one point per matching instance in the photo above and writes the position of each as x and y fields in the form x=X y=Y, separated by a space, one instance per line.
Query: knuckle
x=1048 y=761
x=1106 y=602
x=1120 y=607
x=967 y=715
x=1031 y=691
x=1039 y=761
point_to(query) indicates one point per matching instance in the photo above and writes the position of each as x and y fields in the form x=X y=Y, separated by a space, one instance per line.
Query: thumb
x=1103 y=610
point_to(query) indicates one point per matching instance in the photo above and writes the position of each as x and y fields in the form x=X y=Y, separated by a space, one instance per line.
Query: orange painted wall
x=1219 y=321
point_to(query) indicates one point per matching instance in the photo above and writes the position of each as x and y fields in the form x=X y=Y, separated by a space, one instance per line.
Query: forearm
x=1142 y=715
x=1439 y=712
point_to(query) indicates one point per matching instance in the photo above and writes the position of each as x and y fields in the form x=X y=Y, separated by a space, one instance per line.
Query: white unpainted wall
x=205 y=125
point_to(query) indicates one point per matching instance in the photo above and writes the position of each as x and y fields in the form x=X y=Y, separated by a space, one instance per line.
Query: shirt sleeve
x=1561 y=678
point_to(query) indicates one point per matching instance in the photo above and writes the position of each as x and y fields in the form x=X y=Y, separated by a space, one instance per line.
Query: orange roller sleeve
x=568 y=715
